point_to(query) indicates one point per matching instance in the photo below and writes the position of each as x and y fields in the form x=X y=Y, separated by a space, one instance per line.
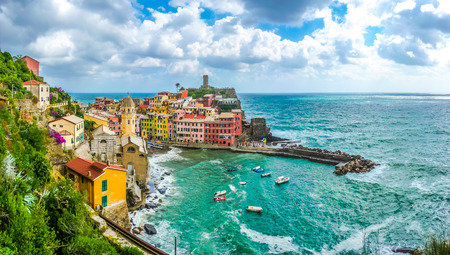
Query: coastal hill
x=40 y=212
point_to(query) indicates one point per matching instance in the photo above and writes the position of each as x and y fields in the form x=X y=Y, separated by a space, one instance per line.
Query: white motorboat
x=282 y=180
x=220 y=193
x=266 y=175
x=257 y=168
x=254 y=209
x=242 y=183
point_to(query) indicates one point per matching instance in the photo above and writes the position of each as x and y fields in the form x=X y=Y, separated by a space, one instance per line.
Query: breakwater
x=344 y=163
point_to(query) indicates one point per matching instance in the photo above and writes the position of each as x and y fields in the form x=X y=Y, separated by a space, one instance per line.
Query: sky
x=256 y=46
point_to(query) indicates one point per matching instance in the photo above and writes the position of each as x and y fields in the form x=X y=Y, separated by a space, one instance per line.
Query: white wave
x=277 y=244
x=216 y=161
x=374 y=176
x=232 y=188
x=160 y=174
x=416 y=183
x=164 y=238
x=355 y=241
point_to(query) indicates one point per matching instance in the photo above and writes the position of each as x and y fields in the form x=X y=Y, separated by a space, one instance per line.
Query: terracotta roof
x=33 y=82
x=86 y=166
x=143 y=106
x=193 y=116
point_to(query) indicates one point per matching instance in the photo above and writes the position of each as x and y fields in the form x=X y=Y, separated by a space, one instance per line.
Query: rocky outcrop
x=358 y=165
x=149 y=229
x=118 y=213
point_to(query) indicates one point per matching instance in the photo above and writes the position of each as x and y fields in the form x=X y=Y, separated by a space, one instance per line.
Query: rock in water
x=150 y=205
x=162 y=190
x=149 y=229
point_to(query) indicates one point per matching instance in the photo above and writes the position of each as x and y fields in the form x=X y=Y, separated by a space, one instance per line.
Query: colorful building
x=161 y=127
x=115 y=124
x=134 y=156
x=70 y=127
x=102 y=183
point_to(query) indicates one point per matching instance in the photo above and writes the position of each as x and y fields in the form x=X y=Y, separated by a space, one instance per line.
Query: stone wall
x=104 y=145
x=258 y=128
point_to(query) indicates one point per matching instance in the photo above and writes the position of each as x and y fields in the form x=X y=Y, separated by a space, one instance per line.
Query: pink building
x=207 y=100
x=150 y=101
x=224 y=129
x=115 y=124
x=190 y=130
x=137 y=122
x=32 y=64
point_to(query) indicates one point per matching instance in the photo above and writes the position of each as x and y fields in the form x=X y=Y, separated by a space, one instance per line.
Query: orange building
x=103 y=184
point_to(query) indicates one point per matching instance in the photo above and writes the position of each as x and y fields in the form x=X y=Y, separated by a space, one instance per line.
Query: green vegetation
x=436 y=246
x=38 y=214
x=13 y=72
x=198 y=93
x=89 y=125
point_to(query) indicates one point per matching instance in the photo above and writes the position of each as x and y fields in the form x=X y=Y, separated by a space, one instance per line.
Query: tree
x=177 y=85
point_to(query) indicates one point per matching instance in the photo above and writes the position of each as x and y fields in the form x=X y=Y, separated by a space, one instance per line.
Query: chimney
x=205 y=81
x=89 y=174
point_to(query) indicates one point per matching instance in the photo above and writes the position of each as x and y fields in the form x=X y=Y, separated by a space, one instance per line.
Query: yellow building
x=147 y=126
x=102 y=183
x=128 y=117
x=161 y=127
x=99 y=121
x=159 y=99
x=112 y=108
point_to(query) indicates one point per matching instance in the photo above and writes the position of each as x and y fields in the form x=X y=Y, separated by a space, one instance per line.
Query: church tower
x=128 y=117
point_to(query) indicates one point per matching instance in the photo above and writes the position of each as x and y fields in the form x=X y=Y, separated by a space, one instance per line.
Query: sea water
x=397 y=204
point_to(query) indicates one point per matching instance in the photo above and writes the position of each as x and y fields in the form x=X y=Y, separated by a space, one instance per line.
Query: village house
x=32 y=64
x=102 y=183
x=40 y=90
x=71 y=128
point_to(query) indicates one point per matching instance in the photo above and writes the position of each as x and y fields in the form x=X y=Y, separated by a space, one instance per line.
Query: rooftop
x=87 y=167
x=33 y=82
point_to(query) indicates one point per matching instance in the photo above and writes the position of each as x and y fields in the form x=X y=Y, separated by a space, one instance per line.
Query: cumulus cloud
x=113 y=39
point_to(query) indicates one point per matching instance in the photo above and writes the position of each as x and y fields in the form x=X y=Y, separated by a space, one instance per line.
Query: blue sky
x=253 y=45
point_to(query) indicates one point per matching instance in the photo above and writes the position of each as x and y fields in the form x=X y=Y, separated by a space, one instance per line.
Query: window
x=42 y=89
x=104 y=185
x=131 y=149
x=105 y=201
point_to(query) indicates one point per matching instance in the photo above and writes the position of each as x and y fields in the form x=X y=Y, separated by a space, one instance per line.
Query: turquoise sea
x=397 y=204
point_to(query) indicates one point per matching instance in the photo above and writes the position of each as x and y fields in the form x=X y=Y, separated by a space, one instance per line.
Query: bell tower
x=128 y=117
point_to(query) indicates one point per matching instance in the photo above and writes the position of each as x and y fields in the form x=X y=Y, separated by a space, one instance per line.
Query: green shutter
x=104 y=185
x=105 y=201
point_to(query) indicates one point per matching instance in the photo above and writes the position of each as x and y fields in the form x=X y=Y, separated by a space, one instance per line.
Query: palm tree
x=177 y=85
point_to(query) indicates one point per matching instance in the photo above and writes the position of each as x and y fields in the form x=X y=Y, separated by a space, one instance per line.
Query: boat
x=259 y=170
x=220 y=193
x=242 y=183
x=282 y=180
x=222 y=198
x=254 y=209
x=266 y=175
x=232 y=169
x=256 y=168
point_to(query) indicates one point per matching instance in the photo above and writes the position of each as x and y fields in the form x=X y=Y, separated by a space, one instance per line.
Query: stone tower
x=128 y=117
x=205 y=81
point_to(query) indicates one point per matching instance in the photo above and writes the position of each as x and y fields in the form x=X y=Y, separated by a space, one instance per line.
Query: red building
x=32 y=64
x=182 y=94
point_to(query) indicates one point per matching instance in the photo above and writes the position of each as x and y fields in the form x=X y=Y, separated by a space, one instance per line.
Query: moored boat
x=282 y=180
x=232 y=169
x=256 y=168
x=220 y=193
x=266 y=175
x=222 y=198
x=259 y=170
x=254 y=209
x=242 y=183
